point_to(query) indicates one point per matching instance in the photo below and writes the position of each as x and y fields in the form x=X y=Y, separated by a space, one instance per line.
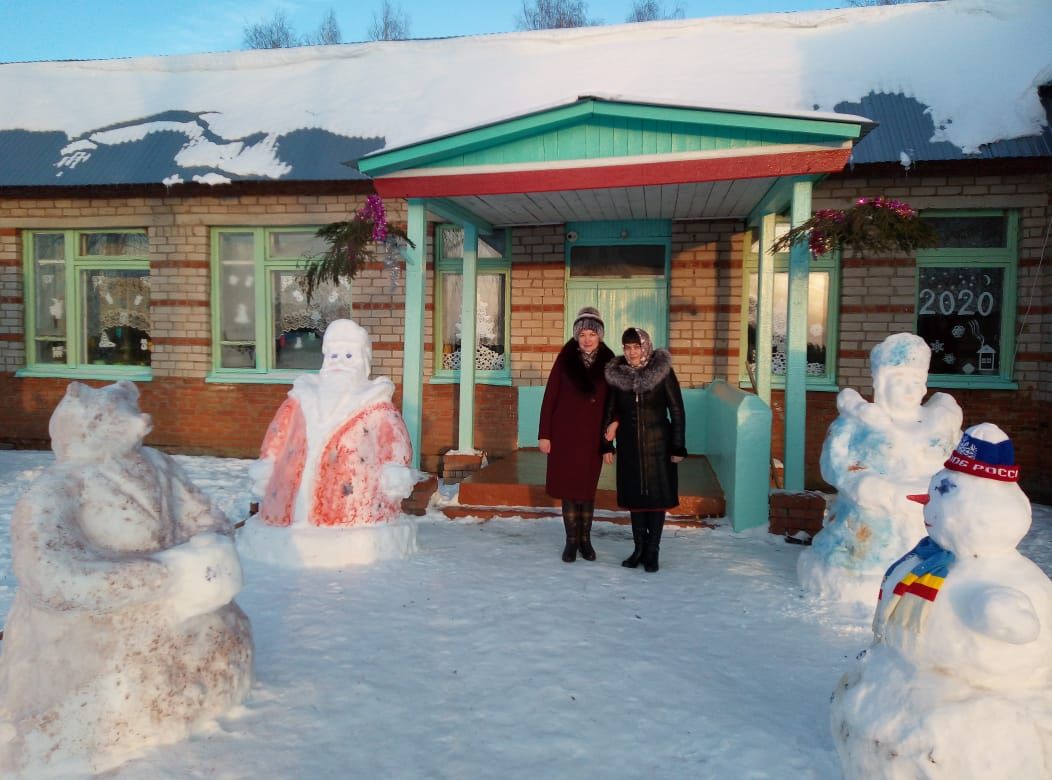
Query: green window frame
x=824 y=274
x=87 y=303
x=493 y=361
x=965 y=303
x=263 y=327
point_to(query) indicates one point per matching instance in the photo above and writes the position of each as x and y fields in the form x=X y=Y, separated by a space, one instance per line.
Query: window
x=966 y=297
x=88 y=303
x=262 y=322
x=492 y=358
x=822 y=294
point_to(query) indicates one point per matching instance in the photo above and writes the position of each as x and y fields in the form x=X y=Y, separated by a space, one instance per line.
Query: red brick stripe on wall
x=199 y=264
x=11 y=299
x=5 y=263
x=366 y=306
x=877 y=308
x=158 y=303
x=8 y=231
x=523 y=264
x=854 y=354
x=11 y=337
x=182 y=341
x=730 y=352
x=1034 y=357
x=529 y=307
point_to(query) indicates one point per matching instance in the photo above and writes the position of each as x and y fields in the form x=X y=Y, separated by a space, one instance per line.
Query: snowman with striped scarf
x=958 y=681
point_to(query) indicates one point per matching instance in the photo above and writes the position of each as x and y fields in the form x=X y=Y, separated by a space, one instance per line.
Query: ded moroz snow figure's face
x=347 y=353
x=974 y=507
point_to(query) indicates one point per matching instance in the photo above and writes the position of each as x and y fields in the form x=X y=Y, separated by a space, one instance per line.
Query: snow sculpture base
x=852 y=590
x=310 y=546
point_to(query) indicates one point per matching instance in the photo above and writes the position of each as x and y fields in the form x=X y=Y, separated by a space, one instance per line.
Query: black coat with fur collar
x=571 y=418
x=648 y=406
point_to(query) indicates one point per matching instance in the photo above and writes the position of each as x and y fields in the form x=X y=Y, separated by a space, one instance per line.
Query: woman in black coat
x=644 y=411
x=571 y=427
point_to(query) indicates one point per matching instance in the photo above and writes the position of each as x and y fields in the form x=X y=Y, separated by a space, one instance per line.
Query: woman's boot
x=584 y=530
x=655 y=523
x=570 y=524
x=639 y=533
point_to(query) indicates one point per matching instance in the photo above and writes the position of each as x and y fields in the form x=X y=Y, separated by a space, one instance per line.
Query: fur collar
x=622 y=376
x=584 y=379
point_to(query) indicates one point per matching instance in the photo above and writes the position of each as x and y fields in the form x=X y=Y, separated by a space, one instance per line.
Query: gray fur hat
x=588 y=318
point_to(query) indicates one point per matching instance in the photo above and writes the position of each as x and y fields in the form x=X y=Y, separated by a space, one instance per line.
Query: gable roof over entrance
x=600 y=158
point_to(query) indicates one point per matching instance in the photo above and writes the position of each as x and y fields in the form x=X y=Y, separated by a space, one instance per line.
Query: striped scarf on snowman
x=910 y=598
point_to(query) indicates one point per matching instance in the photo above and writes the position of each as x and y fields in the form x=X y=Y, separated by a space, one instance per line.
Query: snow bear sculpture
x=875 y=454
x=123 y=633
x=335 y=458
x=958 y=681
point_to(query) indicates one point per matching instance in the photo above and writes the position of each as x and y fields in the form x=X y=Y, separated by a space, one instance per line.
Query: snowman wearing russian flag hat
x=958 y=681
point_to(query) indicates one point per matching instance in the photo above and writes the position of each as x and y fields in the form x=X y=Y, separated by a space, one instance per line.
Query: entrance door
x=626 y=283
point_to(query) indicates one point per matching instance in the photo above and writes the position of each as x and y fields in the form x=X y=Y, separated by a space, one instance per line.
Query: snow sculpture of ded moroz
x=875 y=454
x=123 y=633
x=958 y=681
x=334 y=466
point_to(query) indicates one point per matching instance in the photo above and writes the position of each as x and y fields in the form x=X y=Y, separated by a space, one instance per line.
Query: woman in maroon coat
x=571 y=429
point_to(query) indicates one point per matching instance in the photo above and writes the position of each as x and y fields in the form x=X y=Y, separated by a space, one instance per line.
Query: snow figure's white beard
x=334 y=388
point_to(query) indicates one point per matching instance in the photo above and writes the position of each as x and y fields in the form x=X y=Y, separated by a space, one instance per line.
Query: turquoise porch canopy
x=598 y=159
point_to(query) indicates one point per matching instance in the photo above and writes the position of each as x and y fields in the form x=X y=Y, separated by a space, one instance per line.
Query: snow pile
x=958 y=682
x=950 y=56
x=123 y=634
x=876 y=454
x=334 y=466
x=469 y=648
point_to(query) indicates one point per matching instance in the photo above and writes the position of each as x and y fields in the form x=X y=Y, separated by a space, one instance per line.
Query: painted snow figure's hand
x=259 y=472
x=1003 y=613
x=204 y=574
x=397 y=481
x=848 y=401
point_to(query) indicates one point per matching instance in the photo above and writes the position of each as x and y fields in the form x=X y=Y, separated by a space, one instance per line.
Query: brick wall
x=877 y=298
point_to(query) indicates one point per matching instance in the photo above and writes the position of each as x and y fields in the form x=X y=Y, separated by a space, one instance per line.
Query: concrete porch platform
x=516 y=482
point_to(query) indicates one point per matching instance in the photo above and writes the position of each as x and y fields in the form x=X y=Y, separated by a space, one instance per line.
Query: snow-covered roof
x=963 y=72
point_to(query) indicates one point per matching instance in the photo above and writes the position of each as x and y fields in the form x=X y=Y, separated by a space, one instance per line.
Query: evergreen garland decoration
x=869 y=226
x=351 y=244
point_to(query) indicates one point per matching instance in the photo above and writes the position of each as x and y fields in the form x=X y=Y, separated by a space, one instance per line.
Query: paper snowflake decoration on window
x=958 y=331
x=936 y=346
x=949 y=359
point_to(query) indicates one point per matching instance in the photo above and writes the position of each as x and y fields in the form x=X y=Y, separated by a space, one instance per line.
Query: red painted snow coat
x=571 y=418
x=347 y=489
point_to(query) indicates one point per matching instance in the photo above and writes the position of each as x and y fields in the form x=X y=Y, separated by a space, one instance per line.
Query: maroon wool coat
x=572 y=418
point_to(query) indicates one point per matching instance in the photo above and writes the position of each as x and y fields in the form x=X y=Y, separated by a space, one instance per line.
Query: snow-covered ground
x=486 y=656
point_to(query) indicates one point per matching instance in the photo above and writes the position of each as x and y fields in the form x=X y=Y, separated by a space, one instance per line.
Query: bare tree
x=554 y=14
x=653 y=10
x=328 y=31
x=390 y=24
x=273 y=34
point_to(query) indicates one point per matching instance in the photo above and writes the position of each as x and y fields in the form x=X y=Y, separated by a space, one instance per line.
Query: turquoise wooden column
x=765 y=308
x=413 y=342
x=796 y=348
x=468 y=320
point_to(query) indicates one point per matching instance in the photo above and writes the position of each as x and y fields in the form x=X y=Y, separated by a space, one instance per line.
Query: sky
x=484 y=655
x=102 y=29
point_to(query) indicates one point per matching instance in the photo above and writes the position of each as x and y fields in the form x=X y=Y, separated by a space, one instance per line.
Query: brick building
x=141 y=242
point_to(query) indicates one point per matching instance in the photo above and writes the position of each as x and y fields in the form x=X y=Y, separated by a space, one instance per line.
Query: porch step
x=517 y=482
